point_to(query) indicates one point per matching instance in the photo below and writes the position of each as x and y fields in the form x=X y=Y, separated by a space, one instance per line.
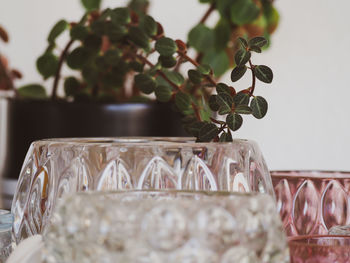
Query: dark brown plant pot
x=33 y=120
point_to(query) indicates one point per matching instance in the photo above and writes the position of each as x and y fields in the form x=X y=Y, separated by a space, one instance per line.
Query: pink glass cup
x=311 y=202
x=319 y=249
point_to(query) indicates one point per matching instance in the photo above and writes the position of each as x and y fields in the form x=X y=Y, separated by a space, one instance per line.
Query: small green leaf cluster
x=248 y=18
x=228 y=103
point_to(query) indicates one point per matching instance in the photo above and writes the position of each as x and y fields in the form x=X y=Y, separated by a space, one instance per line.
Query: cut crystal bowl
x=320 y=249
x=311 y=202
x=165 y=226
x=58 y=166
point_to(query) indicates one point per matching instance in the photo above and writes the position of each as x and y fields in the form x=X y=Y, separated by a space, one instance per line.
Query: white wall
x=307 y=125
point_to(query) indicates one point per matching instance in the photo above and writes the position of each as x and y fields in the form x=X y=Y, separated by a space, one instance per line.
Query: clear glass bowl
x=319 y=249
x=54 y=167
x=6 y=221
x=311 y=202
x=166 y=226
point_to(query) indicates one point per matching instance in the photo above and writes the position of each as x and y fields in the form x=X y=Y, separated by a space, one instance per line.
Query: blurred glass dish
x=6 y=221
x=320 y=249
x=311 y=202
x=58 y=166
x=166 y=226
x=29 y=250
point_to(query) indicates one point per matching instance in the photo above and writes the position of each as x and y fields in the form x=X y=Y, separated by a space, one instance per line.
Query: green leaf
x=272 y=17
x=208 y=132
x=213 y=104
x=222 y=33
x=243 y=109
x=166 y=46
x=195 y=76
x=218 y=60
x=57 y=30
x=93 y=43
x=139 y=37
x=234 y=121
x=259 y=107
x=149 y=25
x=204 y=69
x=258 y=41
x=174 y=77
x=225 y=102
x=263 y=73
x=137 y=66
x=140 y=7
x=183 y=101
x=115 y=33
x=225 y=137
x=71 y=86
x=163 y=93
x=90 y=74
x=32 y=91
x=98 y=27
x=79 y=32
x=90 y=5
x=223 y=6
x=47 y=65
x=120 y=16
x=202 y=38
x=223 y=88
x=244 y=11
x=243 y=42
x=241 y=98
x=242 y=57
x=145 y=83
x=112 y=57
x=255 y=49
x=78 y=58
x=237 y=73
x=194 y=127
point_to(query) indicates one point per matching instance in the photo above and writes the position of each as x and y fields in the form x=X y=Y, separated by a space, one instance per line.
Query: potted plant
x=124 y=59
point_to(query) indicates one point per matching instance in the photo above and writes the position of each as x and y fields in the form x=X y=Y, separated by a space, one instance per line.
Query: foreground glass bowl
x=320 y=249
x=58 y=166
x=166 y=226
x=311 y=202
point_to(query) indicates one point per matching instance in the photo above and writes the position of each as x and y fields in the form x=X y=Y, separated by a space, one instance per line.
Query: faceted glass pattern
x=166 y=226
x=58 y=166
x=311 y=202
x=320 y=249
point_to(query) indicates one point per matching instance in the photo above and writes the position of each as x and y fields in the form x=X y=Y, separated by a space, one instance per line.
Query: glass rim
x=298 y=241
x=171 y=193
x=139 y=141
x=310 y=174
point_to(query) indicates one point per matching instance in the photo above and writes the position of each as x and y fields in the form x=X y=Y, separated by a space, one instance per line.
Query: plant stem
x=207 y=14
x=196 y=111
x=195 y=63
x=5 y=76
x=58 y=75
x=161 y=73
x=253 y=78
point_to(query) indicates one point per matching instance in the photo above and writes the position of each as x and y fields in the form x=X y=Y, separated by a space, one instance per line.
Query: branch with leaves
x=117 y=47
x=215 y=45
